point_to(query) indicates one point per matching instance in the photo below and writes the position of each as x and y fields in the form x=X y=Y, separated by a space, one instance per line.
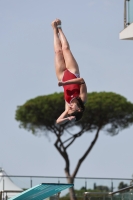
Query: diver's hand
x=60 y=83
x=71 y=118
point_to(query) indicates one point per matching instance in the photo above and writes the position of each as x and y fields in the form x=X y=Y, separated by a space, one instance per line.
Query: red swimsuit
x=70 y=91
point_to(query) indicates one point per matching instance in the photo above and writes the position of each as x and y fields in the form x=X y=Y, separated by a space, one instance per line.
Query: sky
x=92 y=28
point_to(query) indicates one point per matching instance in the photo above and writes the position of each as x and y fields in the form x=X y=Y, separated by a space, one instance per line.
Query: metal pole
x=0 y=195
x=125 y=14
x=31 y=182
x=6 y=196
x=85 y=185
x=3 y=184
x=3 y=188
x=112 y=186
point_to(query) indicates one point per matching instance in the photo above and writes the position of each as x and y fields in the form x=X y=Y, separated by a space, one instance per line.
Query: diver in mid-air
x=68 y=75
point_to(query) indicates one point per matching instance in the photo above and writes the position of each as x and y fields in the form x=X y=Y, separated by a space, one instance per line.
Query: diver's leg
x=70 y=61
x=60 y=66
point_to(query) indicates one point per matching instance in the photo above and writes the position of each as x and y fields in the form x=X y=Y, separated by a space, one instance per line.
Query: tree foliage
x=103 y=108
x=122 y=185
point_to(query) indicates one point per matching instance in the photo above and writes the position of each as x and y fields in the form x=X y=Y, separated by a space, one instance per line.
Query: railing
x=103 y=185
x=121 y=195
x=4 y=194
x=79 y=182
x=122 y=190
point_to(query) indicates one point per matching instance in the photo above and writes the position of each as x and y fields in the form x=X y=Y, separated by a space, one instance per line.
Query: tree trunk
x=72 y=194
x=71 y=190
x=70 y=178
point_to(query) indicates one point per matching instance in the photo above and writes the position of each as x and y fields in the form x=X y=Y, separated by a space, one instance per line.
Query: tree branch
x=86 y=153
x=60 y=147
x=74 y=137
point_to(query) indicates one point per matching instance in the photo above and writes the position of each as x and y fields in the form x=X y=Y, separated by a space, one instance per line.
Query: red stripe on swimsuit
x=70 y=91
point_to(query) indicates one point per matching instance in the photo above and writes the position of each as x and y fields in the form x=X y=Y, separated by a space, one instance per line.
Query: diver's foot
x=54 y=24
x=58 y=21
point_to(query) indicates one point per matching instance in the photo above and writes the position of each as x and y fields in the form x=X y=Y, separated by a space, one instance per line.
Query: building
x=6 y=185
x=127 y=32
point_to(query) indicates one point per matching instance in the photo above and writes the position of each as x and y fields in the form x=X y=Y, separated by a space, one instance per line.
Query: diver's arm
x=71 y=81
x=83 y=92
x=62 y=119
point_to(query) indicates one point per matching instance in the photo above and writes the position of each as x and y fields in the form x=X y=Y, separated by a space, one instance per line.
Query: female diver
x=67 y=72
